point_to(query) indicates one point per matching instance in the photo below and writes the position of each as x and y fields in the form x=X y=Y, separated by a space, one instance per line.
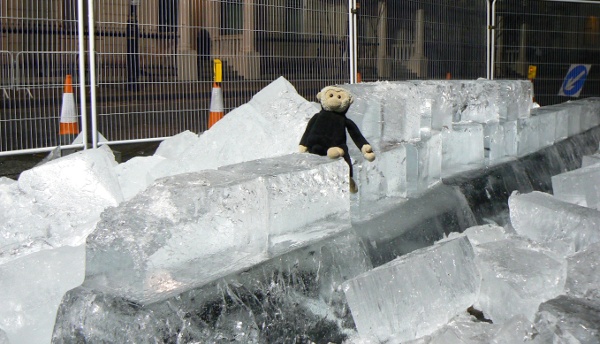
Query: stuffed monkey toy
x=325 y=132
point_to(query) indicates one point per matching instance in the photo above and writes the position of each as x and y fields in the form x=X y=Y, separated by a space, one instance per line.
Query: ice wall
x=419 y=129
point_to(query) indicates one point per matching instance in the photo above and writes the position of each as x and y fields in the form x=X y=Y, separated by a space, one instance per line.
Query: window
x=232 y=17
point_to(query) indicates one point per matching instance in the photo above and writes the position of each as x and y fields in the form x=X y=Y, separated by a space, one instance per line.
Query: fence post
x=352 y=39
x=92 y=52
x=82 y=92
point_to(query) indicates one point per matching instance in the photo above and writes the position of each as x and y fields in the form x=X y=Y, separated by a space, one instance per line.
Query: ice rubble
x=409 y=135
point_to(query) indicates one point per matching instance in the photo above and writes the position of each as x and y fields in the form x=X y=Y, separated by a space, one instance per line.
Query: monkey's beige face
x=335 y=99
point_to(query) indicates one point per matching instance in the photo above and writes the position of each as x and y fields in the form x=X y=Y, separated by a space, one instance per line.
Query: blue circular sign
x=574 y=80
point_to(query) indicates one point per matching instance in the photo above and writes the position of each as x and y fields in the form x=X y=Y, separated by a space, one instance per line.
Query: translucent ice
x=492 y=100
x=567 y=319
x=276 y=114
x=583 y=279
x=429 y=153
x=307 y=196
x=500 y=140
x=32 y=288
x=415 y=294
x=57 y=203
x=561 y=117
x=544 y=218
x=482 y=234
x=588 y=160
x=462 y=147
x=136 y=174
x=3 y=337
x=513 y=270
x=182 y=232
x=580 y=186
x=174 y=146
x=393 y=174
x=590 y=112
x=536 y=132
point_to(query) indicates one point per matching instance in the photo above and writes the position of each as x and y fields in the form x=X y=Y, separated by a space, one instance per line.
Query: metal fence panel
x=552 y=36
x=156 y=58
x=421 y=39
x=37 y=52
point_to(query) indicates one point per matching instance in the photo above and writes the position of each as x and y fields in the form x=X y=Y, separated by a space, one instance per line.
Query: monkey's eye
x=339 y=97
x=330 y=95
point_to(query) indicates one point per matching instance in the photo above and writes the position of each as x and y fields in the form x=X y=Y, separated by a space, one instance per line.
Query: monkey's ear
x=319 y=96
x=350 y=98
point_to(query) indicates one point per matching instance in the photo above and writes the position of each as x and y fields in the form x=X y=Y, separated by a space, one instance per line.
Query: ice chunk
x=367 y=112
x=276 y=114
x=500 y=140
x=580 y=186
x=57 y=203
x=393 y=174
x=514 y=270
x=590 y=112
x=429 y=153
x=6 y=181
x=182 y=232
x=438 y=100
x=482 y=234
x=588 y=160
x=561 y=118
x=32 y=288
x=415 y=294
x=567 y=319
x=544 y=218
x=528 y=132
x=402 y=113
x=462 y=147
x=308 y=197
x=482 y=101
x=583 y=279
x=174 y=146
x=136 y=174
x=3 y=337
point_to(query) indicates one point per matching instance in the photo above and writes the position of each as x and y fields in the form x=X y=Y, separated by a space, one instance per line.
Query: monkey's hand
x=367 y=152
x=302 y=149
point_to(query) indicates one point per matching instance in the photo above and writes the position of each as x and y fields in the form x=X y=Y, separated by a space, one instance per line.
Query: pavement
x=12 y=166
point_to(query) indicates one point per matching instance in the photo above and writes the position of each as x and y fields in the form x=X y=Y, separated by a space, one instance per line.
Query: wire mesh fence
x=153 y=59
x=552 y=36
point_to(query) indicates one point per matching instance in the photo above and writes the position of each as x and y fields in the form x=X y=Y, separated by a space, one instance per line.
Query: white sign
x=574 y=80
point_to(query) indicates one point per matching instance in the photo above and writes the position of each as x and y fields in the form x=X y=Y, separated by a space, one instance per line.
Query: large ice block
x=429 y=153
x=494 y=100
x=367 y=112
x=568 y=319
x=307 y=196
x=415 y=294
x=180 y=233
x=500 y=140
x=462 y=147
x=402 y=112
x=580 y=186
x=588 y=160
x=516 y=270
x=590 y=112
x=583 y=279
x=561 y=118
x=135 y=174
x=32 y=288
x=393 y=174
x=544 y=218
x=3 y=337
x=438 y=98
x=57 y=203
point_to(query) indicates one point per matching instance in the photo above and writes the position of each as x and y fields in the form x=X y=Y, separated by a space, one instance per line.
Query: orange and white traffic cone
x=217 y=109
x=69 y=127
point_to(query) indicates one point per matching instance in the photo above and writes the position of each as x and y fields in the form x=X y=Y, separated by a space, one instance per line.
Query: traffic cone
x=217 y=110
x=69 y=127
